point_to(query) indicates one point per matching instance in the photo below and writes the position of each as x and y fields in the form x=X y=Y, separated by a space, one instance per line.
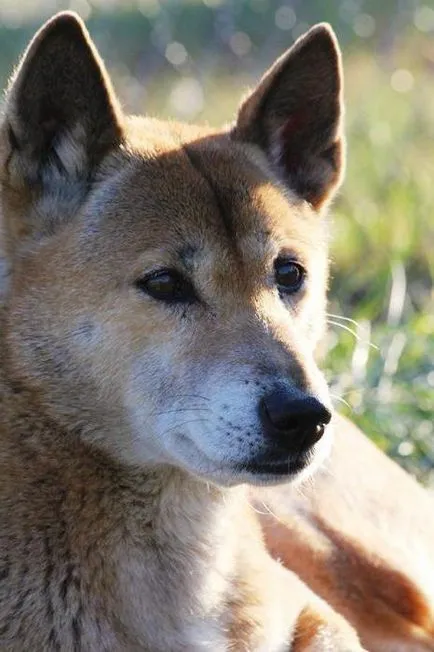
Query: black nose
x=296 y=420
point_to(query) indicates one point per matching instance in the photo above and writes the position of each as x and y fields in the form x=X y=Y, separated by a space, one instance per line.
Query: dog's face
x=167 y=283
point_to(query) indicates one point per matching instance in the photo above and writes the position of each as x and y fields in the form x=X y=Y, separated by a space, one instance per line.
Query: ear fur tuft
x=61 y=112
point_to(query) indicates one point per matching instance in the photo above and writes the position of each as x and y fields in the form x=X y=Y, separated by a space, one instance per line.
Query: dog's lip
x=271 y=466
x=288 y=466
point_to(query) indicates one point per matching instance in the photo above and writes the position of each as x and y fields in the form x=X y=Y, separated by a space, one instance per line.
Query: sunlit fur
x=127 y=424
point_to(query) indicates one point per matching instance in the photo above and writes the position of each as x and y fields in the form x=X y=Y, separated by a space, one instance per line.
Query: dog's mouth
x=284 y=465
x=277 y=465
x=271 y=465
x=287 y=467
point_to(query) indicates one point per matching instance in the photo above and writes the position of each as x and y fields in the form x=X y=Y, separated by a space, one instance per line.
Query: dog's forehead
x=201 y=184
x=182 y=194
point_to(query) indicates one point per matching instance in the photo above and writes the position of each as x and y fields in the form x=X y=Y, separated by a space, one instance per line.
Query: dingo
x=163 y=294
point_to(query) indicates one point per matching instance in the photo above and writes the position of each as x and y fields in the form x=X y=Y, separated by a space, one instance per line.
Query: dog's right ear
x=295 y=116
x=61 y=114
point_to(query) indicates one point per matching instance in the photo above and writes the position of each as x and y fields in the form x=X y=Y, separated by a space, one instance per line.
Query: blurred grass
x=383 y=258
x=382 y=374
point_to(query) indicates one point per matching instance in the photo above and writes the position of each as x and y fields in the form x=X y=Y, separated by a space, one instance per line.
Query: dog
x=161 y=304
x=163 y=293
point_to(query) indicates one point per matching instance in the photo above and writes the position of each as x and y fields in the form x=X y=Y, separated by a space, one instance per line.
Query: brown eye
x=167 y=285
x=289 y=275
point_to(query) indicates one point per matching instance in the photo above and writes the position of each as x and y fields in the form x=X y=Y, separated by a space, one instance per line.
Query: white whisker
x=351 y=321
x=268 y=511
x=184 y=423
x=353 y=333
x=342 y=400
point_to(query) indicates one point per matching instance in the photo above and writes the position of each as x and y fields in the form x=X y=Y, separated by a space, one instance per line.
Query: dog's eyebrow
x=221 y=200
x=187 y=255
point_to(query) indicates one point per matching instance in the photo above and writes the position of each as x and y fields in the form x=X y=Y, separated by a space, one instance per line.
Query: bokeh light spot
x=364 y=25
x=424 y=18
x=285 y=18
x=240 y=44
x=186 y=97
x=176 y=53
x=402 y=81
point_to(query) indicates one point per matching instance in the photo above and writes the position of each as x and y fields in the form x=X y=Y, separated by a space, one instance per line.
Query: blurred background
x=193 y=59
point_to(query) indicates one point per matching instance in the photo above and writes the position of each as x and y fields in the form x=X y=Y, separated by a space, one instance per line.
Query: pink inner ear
x=290 y=140
x=312 y=172
x=295 y=123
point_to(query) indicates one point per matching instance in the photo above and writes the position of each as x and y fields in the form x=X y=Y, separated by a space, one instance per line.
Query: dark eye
x=167 y=285
x=289 y=275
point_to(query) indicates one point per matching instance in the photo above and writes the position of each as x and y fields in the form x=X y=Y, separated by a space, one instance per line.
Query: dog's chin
x=260 y=470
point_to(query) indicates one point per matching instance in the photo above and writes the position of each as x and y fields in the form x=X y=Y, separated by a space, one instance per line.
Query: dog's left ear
x=295 y=116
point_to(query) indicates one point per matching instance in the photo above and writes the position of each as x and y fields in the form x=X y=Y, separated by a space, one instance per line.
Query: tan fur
x=129 y=427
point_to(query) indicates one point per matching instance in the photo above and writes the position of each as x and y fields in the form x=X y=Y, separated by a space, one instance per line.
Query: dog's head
x=167 y=282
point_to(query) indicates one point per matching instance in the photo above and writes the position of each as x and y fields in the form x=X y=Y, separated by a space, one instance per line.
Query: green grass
x=384 y=264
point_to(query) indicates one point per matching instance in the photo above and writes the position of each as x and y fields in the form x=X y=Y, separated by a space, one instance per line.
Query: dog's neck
x=156 y=537
x=192 y=553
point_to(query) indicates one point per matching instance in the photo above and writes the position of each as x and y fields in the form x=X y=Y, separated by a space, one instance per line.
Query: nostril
x=318 y=432
x=325 y=415
x=277 y=418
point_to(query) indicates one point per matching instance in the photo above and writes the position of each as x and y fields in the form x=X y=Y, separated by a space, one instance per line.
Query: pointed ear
x=61 y=114
x=295 y=116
